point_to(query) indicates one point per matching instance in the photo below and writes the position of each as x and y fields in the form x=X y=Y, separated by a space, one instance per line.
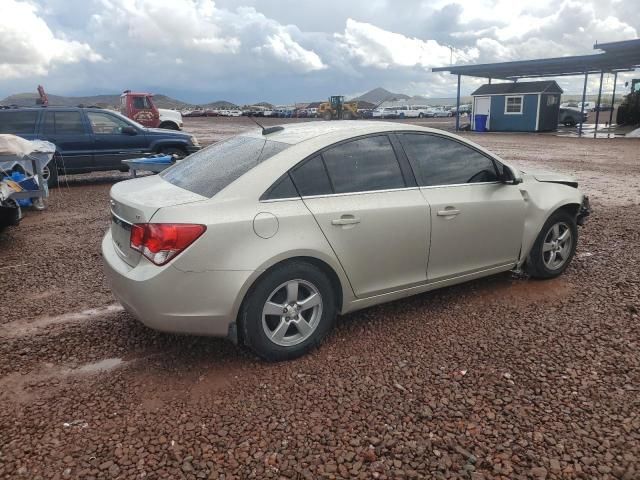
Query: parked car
x=386 y=112
x=603 y=107
x=264 y=238
x=439 y=112
x=570 y=117
x=92 y=139
x=406 y=111
x=588 y=106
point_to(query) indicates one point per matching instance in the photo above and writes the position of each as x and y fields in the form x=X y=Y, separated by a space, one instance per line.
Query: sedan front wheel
x=555 y=246
x=288 y=312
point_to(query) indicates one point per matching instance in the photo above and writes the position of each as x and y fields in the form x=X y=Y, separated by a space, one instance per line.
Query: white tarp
x=16 y=150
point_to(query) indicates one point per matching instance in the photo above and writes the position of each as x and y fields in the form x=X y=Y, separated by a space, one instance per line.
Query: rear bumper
x=170 y=300
x=193 y=148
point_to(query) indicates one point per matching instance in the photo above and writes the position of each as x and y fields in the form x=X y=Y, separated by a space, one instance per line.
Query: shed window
x=513 y=105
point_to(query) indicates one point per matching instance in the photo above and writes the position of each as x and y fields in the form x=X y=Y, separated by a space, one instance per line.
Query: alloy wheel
x=292 y=312
x=557 y=245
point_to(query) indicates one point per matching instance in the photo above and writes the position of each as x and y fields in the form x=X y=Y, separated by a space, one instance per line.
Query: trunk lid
x=137 y=201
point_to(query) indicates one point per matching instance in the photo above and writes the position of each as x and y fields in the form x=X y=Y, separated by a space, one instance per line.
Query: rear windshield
x=210 y=170
x=18 y=121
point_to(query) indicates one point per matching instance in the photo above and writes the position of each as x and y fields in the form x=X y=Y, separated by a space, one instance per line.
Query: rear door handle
x=345 y=220
x=448 y=212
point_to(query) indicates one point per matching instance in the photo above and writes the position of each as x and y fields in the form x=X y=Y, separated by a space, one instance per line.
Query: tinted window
x=141 y=103
x=210 y=170
x=363 y=165
x=18 y=122
x=68 y=123
x=49 y=124
x=441 y=161
x=311 y=178
x=105 y=124
x=283 y=188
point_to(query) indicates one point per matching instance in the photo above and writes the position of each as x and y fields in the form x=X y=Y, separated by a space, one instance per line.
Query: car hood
x=553 y=177
x=167 y=133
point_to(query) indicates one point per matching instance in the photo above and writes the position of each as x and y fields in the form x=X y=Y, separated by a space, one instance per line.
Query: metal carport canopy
x=615 y=57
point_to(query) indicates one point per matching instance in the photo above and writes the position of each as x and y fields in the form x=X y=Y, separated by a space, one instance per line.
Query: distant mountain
x=380 y=94
x=161 y=101
x=218 y=104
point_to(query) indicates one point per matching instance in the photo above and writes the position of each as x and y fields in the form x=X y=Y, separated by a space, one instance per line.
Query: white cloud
x=29 y=47
x=375 y=47
x=283 y=47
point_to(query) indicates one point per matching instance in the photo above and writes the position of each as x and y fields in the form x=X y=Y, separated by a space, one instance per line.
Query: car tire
x=327 y=116
x=279 y=336
x=169 y=126
x=570 y=123
x=50 y=173
x=421 y=115
x=551 y=254
x=174 y=151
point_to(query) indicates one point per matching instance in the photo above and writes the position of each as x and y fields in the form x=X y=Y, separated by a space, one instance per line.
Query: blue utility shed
x=518 y=106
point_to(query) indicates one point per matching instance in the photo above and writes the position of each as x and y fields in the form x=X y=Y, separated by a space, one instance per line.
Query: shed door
x=482 y=106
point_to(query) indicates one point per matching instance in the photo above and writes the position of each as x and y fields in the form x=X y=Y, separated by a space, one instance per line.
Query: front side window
x=443 y=161
x=365 y=164
x=64 y=123
x=18 y=122
x=210 y=170
x=105 y=124
x=513 y=105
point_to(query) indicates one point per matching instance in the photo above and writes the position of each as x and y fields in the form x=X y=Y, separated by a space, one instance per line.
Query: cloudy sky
x=287 y=50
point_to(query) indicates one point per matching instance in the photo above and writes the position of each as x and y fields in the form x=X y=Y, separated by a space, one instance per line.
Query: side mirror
x=511 y=177
x=129 y=130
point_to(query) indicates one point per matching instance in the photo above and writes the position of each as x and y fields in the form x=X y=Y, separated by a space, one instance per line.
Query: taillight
x=160 y=242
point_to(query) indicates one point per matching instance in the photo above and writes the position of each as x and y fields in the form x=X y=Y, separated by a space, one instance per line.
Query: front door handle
x=448 y=212
x=345 y=220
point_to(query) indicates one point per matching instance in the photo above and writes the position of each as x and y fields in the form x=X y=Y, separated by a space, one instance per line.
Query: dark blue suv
x=92 y=139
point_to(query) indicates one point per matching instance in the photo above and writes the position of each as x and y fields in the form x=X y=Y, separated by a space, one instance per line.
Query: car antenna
x=266 y=130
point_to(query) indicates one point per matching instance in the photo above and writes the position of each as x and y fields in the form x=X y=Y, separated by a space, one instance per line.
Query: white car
x=234 y=113
x=439 y=112
x=386 y=112
x=406 y=111
x=266 y=236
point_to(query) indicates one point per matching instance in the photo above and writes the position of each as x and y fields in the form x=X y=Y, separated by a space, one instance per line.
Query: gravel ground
x=498 y=378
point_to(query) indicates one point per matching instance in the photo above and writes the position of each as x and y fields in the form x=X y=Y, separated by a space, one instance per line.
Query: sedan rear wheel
x=288 y=312
x=555 y=246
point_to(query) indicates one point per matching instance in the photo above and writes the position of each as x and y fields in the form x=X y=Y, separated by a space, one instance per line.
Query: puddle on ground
x=22 y=328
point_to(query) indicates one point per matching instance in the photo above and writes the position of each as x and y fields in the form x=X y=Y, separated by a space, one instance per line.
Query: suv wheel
x=555 y=246
x=174 y=151
x=50 y=173
x=288 y=312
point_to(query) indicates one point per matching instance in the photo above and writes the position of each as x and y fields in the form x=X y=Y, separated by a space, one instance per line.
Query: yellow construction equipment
x=337 y=109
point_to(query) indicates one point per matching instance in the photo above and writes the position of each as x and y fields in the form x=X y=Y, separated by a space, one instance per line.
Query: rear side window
x=210 y=170
x=363 y=165
x=441 y=161
x=69 y=123
x=311 y=178
x=18 y=121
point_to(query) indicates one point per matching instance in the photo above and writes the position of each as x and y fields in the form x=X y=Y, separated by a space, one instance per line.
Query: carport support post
x=458 y=106
x=613 y=99
x=595 y=131
x=584 y=95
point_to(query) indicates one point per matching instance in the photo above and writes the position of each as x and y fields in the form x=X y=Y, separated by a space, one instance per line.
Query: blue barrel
x=481 y=123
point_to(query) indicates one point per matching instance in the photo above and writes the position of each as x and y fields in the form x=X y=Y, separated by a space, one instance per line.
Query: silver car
x=267 y=236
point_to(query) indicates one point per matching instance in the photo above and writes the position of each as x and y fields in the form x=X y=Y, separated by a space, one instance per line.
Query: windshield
x=210 y=170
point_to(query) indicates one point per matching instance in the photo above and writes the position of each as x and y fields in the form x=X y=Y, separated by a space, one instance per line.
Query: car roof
x=294 y=133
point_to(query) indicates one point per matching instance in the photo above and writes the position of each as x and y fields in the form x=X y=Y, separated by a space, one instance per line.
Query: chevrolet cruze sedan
x=267 y=236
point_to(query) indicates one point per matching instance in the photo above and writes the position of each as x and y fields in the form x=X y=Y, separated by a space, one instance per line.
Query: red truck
x=140 y=108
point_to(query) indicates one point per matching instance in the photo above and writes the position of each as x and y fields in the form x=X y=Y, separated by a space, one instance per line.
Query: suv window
x=363 y=165
x=18 y=121
x=63 y=123
x=105 y=124
x=210 y=170
x=442 y=161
